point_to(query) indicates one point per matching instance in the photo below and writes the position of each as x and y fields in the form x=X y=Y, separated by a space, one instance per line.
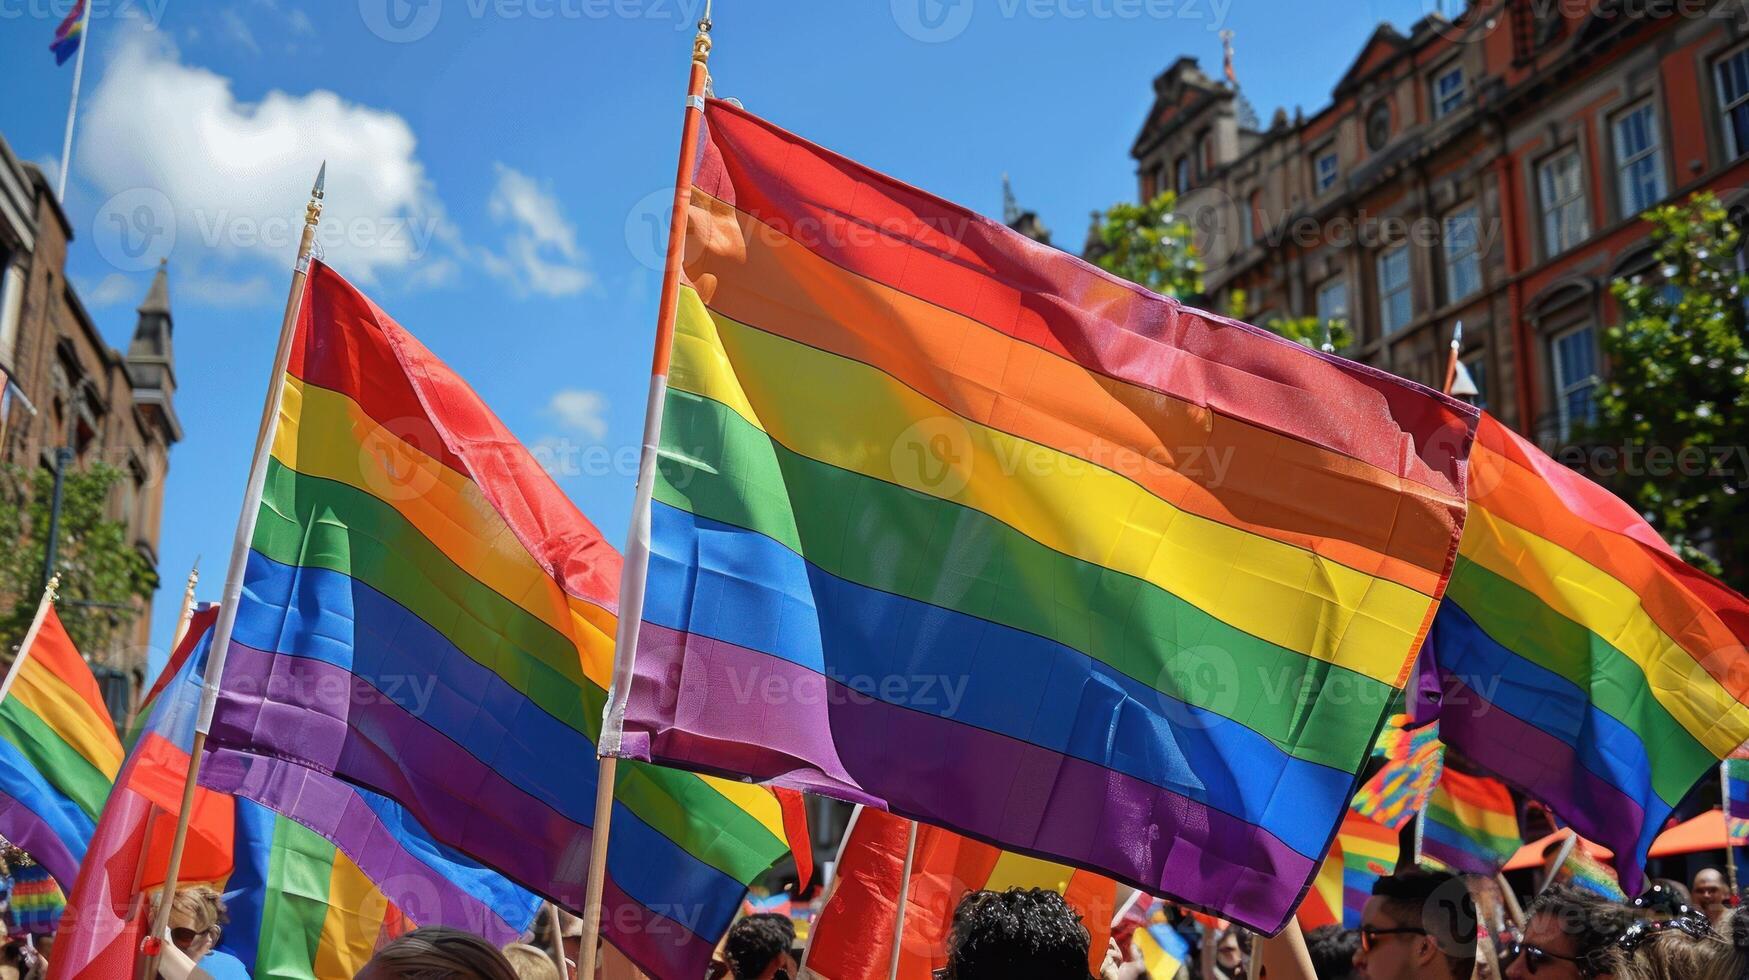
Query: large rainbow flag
x=1583 y=662
x=1014 y=540
x=411 y=554
x=59 y=754
x=945 y=867
x=1413 y=760
x=1471 y=824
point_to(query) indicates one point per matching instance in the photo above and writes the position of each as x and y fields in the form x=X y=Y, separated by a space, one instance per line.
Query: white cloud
x=540 y=254
x=236 y=30
x=581 y=411
x=115 y=288
x=235 y=175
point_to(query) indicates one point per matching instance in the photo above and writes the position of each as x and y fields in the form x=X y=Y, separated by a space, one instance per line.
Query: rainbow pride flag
x=411 y=554
x=1582 y=661
x=954 y=496
x=59 y=754
x=1164 y=951
x=36 y=902
x=69 y=33
x=1582 y=870
x=1369 y=852
x=1736 y=792
x=1401 y=788
x=1471 y=825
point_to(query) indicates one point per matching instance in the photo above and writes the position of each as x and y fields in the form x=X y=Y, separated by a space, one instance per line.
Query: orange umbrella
x=1531 y=855
x=1704 y=833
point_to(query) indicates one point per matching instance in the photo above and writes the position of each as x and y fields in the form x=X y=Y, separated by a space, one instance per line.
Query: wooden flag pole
x=1554 y=870
x=187 y=614
x=1451 y=363
x=904 y=900
x=637 y=553
x=36 y=625
x=1507 y=896
x=233 y=590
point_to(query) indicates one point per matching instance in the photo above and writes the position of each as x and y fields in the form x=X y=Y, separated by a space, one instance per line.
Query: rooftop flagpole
x=637 y=552
x=233 y=590
x=73 y=107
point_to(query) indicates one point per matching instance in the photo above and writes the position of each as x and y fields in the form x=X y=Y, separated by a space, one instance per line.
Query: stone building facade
x=103 y=403
x=1487 y=168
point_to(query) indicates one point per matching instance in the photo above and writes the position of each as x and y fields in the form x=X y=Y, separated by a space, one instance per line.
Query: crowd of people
x=1417 y=925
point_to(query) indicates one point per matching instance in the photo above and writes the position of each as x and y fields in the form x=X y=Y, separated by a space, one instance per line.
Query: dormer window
x=1449 y=91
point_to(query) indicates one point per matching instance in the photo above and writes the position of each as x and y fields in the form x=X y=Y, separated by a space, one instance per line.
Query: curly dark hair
x=1019 y=934
x=1332 y=948
x=439 y=953
x=1439 y=903
x=1593 y=921
x=757 y=940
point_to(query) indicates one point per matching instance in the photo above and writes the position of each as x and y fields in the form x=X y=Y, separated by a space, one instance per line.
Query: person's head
x=1417 y=924
x=758 y=947
x=1682 y=948
x=438 y=953
x=1019 y=934
x=1709 y=891
x=197 y=919
x=1332 y=949
x=1568 y=935
x=570 y=933
x=530 y=963
x=1230 y=949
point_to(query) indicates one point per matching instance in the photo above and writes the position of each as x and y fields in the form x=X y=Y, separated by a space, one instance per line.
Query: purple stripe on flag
x=378 y=743
x=1549 y=769
x=29 y=831
x=698 y=693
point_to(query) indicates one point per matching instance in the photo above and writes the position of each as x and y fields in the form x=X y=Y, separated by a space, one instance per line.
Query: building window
x=1333 y=301
x=1639 y=167
x=1448 y=92
x=1463 y=253
x=1251 y=222
x=1478 y=368
x=1565 y=223
x=1181 y=182
x=1378 y=126
x=1327 y=170
x=1733 y=79
x=1396 y=305
x=1575 y=360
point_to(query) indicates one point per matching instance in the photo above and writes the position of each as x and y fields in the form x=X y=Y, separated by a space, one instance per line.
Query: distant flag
x=59 y=754
x=1323 y=902
x=1582 y=870
x=1615 y=670
x=1737 y=795
x=404 y=533
x=851 y=939
x=36 y=901
x=1369 y=852
x=855 y=480
x=1227 y=58
x=1400 y=789
x=1164 y=951
x=778 y=904
x=1471 y=824
x=70 y=32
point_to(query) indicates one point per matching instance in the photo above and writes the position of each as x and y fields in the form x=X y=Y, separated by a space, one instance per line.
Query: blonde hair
x=530 y=963
x=203 y=905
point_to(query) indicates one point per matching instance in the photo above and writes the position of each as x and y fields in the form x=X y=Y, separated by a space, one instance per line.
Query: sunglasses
x=1369 y=935
x=1535 y=957
x=183 y=937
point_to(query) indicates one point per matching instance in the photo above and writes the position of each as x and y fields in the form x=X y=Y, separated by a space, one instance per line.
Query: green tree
x=101 y=570
x=1150 y=244
x=1677 y=401
x=1307 y=330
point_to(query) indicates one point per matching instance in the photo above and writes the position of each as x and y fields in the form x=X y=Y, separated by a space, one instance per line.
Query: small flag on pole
x=69 y=34
x=1413 y=762
x=1472 y=825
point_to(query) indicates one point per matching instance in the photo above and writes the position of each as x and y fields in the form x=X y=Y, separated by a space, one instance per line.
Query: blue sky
x=497 y=170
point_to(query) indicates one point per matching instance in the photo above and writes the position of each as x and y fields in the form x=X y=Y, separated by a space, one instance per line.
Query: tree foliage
x=1150 y=244
x=101 y=570
x=1675 y=411
x=1307 y=330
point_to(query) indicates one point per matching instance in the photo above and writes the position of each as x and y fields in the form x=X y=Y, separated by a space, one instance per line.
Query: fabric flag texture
x=1413 y=760
x=1595 y=670
x=59 y=753
x=1471 y=824
x=1164 y=951
x=36 y=901
x=1012 y=539
x=1582 y=870
x=411 y=554
x=1369 y=852
x=852 y=937
x=1736 y=792
x=69 y=33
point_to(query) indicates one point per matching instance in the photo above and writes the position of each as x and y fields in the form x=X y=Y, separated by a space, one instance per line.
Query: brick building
x=105 y=404
x=1487 y=168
